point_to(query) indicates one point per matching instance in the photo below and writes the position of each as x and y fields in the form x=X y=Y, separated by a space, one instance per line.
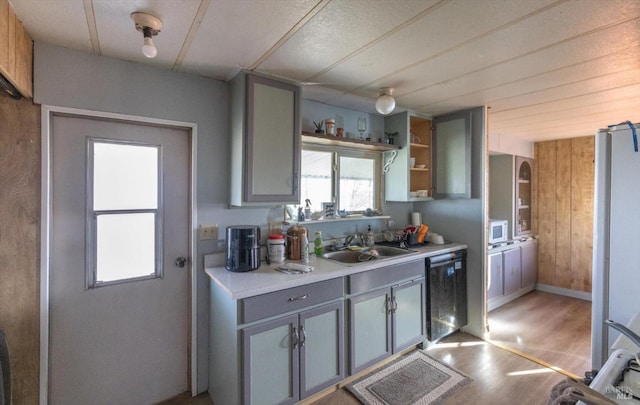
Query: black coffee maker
x=243 y=248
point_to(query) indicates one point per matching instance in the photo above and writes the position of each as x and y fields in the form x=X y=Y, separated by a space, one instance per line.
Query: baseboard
x=497 y=302
x=564 y=291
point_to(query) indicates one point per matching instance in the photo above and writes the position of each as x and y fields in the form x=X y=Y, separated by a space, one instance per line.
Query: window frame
x=91 y=226
x=337 y=152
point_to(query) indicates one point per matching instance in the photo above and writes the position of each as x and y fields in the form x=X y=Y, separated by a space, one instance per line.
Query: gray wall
x=68 y=78
x=464 y=221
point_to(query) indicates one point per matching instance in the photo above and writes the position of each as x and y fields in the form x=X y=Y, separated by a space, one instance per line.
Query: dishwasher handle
x=446 y=258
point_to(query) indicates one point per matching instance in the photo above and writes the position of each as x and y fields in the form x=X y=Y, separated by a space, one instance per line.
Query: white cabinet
x=265 y=141
x=512 y=272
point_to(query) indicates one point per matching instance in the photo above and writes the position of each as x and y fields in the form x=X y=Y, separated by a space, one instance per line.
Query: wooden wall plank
x=534 y=192
x=546 y=164
x=563 y=213
x=582 y=195
x=20 y=243
x=4 y=34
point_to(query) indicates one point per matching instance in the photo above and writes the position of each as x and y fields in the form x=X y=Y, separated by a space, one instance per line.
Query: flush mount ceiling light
x=385 y=103
x=149 y=26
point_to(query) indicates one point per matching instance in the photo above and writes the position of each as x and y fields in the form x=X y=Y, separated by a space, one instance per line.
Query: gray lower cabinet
x=386 y=313
x=512 y=271
x=495 y=276
x=291 y=358
x=276 y=348
x=529 y=260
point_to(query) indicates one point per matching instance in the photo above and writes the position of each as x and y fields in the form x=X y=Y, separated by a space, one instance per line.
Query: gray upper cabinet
x=452 y=155
x=523 y=196
x=265 y=141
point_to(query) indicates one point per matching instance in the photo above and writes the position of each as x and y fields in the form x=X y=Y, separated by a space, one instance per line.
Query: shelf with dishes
x=322 y=139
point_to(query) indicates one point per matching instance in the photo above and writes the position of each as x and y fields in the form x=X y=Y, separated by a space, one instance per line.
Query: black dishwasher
x=447 y=294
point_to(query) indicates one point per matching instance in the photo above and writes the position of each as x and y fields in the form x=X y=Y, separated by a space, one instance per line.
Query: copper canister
x=294 y=242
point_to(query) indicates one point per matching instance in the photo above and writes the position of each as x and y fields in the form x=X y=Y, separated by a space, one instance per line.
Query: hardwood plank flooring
x=553 y=328
x=499 y=376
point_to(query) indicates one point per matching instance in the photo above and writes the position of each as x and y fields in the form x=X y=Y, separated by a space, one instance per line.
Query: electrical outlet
x=208 y=232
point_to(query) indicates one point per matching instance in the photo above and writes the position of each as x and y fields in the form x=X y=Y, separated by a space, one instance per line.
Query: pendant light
x=149 y=26
x=385 y=103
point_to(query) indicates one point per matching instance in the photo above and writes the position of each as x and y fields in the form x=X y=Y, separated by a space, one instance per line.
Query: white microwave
x=497 y=230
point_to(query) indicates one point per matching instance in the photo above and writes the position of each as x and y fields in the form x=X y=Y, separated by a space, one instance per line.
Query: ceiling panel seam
x=303 y=21
x=193 y=30
x=382 y=37
x=513 y=58
x=460 y=45
x=520 y=79
x=90 y=17
x=589 y=94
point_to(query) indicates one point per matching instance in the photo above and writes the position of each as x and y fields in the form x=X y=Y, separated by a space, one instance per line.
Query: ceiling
x=547 y=69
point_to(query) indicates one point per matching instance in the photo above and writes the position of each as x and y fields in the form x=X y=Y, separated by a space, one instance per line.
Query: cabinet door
x=270 y=362
x=272 y=141
x=512 y=271
x=321 y=348
x=408 y=309
x=452 y=155
x=523 y=196
x=529 y=258
x=495 y=287
x=369 y=329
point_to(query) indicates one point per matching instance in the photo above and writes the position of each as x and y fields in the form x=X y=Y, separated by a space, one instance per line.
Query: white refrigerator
x=616 y=238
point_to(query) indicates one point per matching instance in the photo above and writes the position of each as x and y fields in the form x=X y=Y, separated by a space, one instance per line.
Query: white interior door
x=119 y=301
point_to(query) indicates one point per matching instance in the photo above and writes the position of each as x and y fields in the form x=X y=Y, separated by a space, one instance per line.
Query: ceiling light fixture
x=149 y=26
x=385 y=103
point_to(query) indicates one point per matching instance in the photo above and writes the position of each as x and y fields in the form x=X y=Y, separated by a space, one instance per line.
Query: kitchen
x=66 y=78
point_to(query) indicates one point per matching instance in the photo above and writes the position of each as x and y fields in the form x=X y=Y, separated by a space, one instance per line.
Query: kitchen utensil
x=412 y=162
x=421 y=166
x=413 y=194
x=422 y=232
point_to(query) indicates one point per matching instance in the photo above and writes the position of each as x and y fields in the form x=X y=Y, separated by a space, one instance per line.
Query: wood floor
x=550 y=327
x=499 y=376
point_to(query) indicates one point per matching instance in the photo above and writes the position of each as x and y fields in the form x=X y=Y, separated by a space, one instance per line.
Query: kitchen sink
x=361 y=256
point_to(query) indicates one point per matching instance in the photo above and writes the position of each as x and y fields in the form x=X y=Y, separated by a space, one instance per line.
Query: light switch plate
x=208 y=232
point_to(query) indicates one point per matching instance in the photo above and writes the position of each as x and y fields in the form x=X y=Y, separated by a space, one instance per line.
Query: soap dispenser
x=370 y=239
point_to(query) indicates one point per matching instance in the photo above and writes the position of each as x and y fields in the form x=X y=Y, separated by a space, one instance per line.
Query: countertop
x=510 y=244
x=266 y=279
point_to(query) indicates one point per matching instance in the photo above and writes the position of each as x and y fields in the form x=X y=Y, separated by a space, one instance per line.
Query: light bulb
x=148 y=49
x=385 y=104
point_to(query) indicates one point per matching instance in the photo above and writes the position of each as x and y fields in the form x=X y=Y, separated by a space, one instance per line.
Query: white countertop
x=266 y=279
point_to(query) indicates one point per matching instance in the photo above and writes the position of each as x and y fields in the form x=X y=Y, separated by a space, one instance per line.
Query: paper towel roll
x=416 y=218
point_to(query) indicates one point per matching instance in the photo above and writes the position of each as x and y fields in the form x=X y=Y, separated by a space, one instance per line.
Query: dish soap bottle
x=370 y=240
x=317 y=244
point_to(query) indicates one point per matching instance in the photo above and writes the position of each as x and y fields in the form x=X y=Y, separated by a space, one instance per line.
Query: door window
x=123 y=212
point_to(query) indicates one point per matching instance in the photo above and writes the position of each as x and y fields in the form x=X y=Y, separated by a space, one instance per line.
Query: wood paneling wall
x=563 y=211
x=20 y=243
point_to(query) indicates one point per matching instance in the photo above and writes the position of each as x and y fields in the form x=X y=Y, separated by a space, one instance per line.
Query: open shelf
x=322 y=139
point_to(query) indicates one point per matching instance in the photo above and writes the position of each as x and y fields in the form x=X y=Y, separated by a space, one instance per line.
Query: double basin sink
x=377 y=252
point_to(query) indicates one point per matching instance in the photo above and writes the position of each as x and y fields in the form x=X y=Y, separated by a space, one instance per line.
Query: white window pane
x=125 y=246
x=357 y=183
x=316 y=178
x=124 y=176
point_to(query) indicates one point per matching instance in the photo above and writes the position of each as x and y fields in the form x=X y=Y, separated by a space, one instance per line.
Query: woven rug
x=413 y=379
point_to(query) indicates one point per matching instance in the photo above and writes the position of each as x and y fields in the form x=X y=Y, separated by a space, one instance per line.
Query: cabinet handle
x=295 y=183
x=389 y=306
x=395 y=305
x=300 y=298
x=295 y=338
x=303 y=337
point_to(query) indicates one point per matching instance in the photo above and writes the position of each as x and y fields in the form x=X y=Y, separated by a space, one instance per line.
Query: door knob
x=181 y=261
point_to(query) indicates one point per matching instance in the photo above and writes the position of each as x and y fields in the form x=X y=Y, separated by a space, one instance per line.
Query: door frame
x=47 y=113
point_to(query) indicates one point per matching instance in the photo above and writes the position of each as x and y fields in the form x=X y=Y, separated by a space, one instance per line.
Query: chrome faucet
x=349 y=238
